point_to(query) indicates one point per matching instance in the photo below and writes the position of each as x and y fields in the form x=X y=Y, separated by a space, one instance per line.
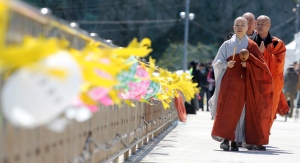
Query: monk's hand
x=230 y=64
x=262 y=47
x=243 y=64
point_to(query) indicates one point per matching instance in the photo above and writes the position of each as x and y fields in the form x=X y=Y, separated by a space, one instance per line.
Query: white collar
x=235 y=38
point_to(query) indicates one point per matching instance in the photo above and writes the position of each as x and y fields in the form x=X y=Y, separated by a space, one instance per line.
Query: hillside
x=213 y=19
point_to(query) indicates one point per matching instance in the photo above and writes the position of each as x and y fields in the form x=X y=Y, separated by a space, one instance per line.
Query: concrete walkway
x=191 y=142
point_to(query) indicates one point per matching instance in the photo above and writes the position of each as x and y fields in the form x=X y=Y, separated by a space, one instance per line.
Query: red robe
x=251 y=86
x=274 y=57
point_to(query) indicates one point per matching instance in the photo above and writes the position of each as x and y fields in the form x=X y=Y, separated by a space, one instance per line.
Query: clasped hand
x=262 y=47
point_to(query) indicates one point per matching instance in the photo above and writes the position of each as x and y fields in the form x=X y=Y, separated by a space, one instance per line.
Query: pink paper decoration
x=78 y=103
x=137 y=89
x=101 y=95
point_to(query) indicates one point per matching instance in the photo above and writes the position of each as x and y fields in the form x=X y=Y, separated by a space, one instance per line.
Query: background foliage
x=213 y=20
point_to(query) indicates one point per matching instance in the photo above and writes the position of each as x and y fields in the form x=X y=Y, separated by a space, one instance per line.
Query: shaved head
x=263 y=26
x=249 y=15
x=251 y=23
x=242 y=19
x=265 y=18
x=240 y=27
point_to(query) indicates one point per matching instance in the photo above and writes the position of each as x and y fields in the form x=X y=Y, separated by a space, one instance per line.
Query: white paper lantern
x=80 y=114
x=58 y=125
x=31 y=98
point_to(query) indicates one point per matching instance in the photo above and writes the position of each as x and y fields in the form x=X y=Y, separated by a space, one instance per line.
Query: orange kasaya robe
x=251 y=86
x=274 y=55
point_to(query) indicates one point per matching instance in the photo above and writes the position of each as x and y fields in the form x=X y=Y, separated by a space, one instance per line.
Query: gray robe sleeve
x=220 y=66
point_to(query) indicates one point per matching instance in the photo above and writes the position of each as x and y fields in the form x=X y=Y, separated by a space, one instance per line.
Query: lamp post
x=190 y=16
x=297 y=37
x=296 y=11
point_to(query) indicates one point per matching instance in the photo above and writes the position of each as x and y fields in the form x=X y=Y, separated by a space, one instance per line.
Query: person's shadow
x=270 y=151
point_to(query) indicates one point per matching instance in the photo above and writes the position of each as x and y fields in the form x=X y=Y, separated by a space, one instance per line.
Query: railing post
x=145 y=141
x=133 y=150
x=140 y=144
x=126 y=155
x=116 y=160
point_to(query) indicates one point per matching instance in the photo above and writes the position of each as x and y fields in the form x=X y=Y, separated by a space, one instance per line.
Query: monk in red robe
x=273 y=50
x=244 y=92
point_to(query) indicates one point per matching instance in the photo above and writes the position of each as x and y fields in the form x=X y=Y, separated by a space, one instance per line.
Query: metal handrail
x=110 y=125
x=19 y=7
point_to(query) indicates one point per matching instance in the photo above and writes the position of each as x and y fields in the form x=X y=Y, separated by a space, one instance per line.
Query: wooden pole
x=234 y=49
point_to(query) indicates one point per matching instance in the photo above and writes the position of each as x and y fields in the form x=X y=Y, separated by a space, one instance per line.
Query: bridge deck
x=190 y=142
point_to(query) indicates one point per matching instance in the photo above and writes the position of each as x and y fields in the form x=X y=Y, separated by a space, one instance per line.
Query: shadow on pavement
x=147 y=148
x=270 y=151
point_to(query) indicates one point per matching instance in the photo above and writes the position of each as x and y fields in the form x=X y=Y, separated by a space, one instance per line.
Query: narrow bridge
x=115 y=133
x=191 y=142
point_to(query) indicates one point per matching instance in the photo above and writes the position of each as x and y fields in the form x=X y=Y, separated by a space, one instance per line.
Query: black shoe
x=259 y=147
x=234 y=147
x=239 y=144
x=225 y=145
x=248 y=146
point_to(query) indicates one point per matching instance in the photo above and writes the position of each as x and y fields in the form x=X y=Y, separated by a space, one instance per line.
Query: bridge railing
x=111 y=132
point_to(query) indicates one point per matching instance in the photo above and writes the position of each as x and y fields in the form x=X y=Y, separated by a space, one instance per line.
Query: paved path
x=191 y=142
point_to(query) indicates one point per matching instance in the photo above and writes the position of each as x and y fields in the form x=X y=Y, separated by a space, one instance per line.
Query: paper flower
x=125 y=76
x=137 y=89
x=152 y=90
x=109 y=68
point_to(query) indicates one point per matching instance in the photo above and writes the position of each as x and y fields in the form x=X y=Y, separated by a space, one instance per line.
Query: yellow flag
x=3 y=22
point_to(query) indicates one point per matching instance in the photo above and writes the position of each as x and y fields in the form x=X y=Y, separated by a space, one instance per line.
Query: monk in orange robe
x=273 y=50
x=244 y=91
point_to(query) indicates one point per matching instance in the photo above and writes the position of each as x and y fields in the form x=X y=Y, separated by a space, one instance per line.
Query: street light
x=296 y=36
x=110 y=42
x=74 y=25
x=45 y=11
x=296 y=11
x=190 y=16
x=93 y=34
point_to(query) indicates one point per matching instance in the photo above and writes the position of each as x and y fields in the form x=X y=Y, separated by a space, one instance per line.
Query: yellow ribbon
x=3 y=22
